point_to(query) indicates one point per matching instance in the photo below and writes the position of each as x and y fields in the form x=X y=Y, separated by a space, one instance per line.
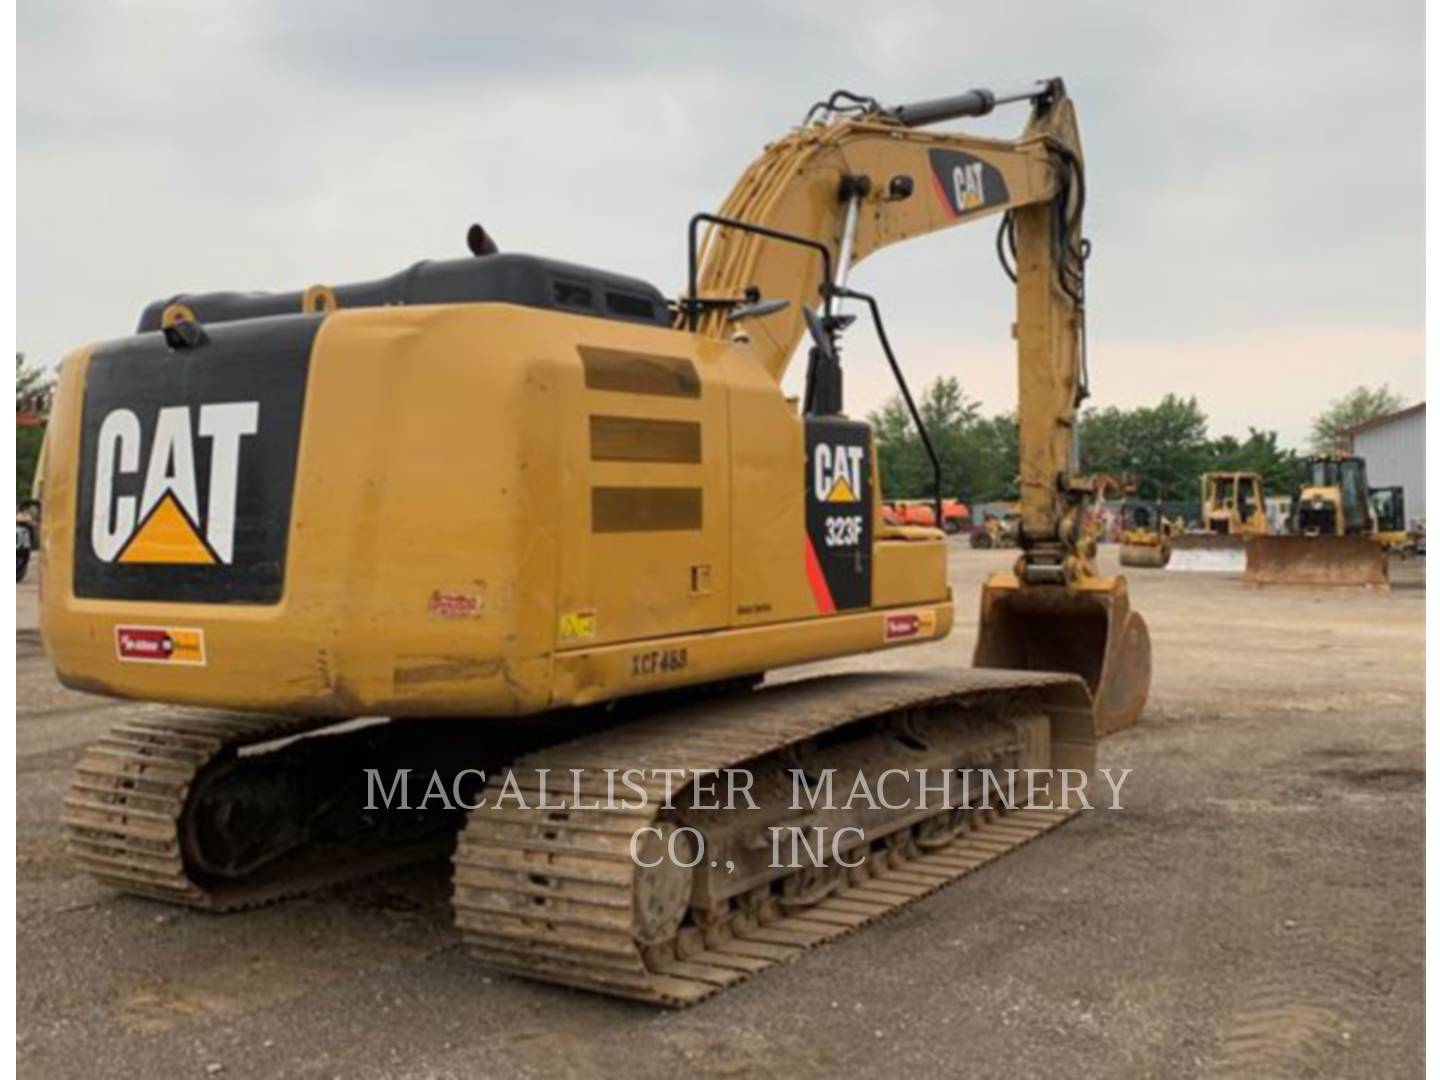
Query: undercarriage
x=744 y=829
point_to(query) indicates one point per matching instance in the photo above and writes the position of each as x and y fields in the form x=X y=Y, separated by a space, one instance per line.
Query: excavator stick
x=1354 y=562
x=1216 y=553
x=1088 y=631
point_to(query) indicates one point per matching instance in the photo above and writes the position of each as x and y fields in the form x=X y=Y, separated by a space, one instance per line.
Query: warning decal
x=160 y=645
x=903 y=625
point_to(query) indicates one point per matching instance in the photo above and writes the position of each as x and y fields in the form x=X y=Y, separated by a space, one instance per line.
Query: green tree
x=32 y=394
x=904 y=469
x=995 y=451
x=32 y=387
x=977 y=454
x=1259 y=453
x=949 y=414
x=1163 y=446
x=1328 y=430
x=27 y=454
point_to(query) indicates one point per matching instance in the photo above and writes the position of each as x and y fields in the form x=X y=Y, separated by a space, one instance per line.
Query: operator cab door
x=644 y=504
x=1389 y=505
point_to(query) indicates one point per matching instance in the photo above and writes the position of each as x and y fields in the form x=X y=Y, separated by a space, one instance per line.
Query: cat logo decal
x=167 y=522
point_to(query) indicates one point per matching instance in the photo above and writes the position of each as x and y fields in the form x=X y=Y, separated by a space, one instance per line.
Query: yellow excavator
x=555 y=529
x=1232 y=509
x=1334 y=537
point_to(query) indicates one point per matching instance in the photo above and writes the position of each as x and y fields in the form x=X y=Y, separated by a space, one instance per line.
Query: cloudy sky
x=1255 y=169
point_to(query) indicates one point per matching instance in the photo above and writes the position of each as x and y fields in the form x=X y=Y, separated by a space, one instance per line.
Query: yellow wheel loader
x=1232 y=508
x=555 y=529
x=1334 y=535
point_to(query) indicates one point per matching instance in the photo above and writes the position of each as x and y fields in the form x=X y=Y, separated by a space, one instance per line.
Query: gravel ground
x=1255 y=909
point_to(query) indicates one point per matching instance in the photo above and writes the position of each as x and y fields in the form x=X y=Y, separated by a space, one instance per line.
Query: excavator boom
x=827 y=195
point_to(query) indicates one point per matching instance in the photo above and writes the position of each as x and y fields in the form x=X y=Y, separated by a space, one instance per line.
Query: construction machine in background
x=997 y=532
x=27 y=519
x=954 y=514
x=1146 y=542
x=551 y=526
x=1334 y=537
x=26 y=537
x=1232 y=509
x=1392 y=531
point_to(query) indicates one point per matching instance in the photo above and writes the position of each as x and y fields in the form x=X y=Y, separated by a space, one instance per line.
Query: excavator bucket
x=1355 y=562
x=1152 y=556
x=1217 y=553
x=1088 y=631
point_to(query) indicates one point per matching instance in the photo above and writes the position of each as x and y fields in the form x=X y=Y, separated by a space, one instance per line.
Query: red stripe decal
x=818 y=586
x=940 y=194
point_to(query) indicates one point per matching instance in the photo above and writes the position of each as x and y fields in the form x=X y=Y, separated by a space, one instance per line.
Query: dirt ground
x=1255 y=909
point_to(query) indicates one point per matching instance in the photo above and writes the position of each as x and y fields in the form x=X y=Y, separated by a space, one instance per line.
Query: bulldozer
x=1232 y=509
x=538 y=532
x=1147 y=541
x=1334 y=538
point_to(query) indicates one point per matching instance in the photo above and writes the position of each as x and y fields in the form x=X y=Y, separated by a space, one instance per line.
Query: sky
x=1255 y=170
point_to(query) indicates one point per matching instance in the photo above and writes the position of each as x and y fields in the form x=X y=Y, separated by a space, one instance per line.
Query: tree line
x=33 y=389
x=1165 y=446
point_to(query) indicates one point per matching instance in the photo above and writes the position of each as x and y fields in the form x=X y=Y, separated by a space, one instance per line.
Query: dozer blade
x=1215 y=553
x=1354 y=562
x=1144 y=555
x=1088 y=631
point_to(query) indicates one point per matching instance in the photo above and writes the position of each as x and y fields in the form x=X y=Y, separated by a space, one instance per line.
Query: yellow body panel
x=448 y=451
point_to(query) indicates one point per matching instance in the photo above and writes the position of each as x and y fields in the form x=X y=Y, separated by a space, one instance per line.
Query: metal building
x=1393 y=447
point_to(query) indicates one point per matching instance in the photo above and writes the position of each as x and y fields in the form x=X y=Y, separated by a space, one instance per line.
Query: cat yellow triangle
x=841 y=491
x=167 y=536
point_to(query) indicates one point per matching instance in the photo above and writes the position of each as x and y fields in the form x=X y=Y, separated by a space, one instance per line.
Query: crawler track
x=554 y=894
x=124 y=813
x=130 y=815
